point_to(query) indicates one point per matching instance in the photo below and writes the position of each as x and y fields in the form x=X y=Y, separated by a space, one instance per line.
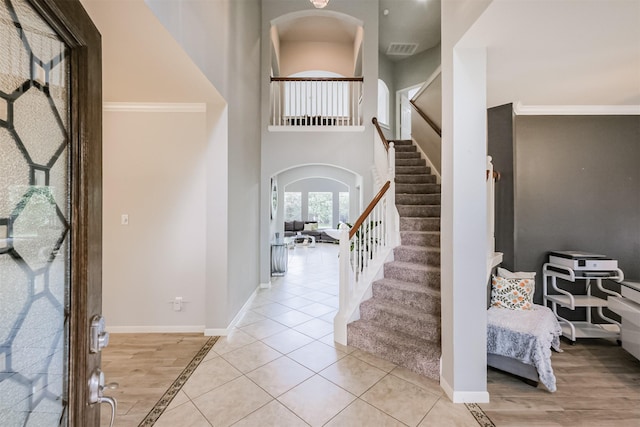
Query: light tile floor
x=281 y=367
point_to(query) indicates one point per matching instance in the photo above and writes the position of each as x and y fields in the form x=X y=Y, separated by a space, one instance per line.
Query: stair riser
x=415 y=179
x=427 y=278
x=405 y=170
x=416 y=188
x=418 y=211
x=427 y=328
x=411 y=360
x=406 y=148
x=419 y=224
x=419 y=300
x=408 y=254
x=410 y=162
x=401 y=142
x=407 y=155
x=417 y=199
x=420 y=239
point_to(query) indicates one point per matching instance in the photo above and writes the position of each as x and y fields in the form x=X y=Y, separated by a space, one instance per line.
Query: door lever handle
x=112 y=402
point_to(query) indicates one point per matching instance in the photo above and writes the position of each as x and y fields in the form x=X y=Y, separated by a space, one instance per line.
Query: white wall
x=349 y=150
x=463 y=248
x=154 y=171
x=165 y=201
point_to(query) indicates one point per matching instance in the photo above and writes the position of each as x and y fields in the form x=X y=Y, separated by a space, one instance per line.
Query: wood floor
x=598 y=385
x=144 y=366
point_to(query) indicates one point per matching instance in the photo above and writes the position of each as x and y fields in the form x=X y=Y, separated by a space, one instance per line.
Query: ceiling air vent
x=405 y=49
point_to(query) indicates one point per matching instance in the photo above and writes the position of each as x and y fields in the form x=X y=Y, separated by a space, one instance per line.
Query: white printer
x=584 y=263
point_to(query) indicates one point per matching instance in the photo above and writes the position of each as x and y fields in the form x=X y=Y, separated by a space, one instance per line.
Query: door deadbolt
x=98 y=336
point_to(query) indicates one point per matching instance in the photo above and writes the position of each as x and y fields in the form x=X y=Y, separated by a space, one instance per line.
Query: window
x=292 y=206
x=321 y=208
x=343 y=206
x=383 y=103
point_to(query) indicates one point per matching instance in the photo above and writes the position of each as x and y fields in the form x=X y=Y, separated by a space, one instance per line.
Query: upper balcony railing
x=321 y=101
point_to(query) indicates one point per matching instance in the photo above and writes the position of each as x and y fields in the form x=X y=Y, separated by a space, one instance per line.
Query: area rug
x=479 y=415
x=174 y=388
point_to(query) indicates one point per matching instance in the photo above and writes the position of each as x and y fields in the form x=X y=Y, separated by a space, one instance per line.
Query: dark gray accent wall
x=576 y=187
x=500 y=147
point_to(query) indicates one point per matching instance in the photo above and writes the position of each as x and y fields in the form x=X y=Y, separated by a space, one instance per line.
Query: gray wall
x=416 y=69
x=348 y=150
x=386 y=72
x=576 y=187
x=223 y=38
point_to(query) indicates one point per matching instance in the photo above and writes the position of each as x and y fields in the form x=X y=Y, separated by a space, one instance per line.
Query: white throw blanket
x=525 y=335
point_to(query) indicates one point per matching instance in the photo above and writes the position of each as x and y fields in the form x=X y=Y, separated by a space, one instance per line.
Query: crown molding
x=575 y=110
x=154 y=107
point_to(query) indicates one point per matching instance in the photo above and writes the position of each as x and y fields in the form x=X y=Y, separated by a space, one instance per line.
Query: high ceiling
x=317 y=28
x=409 y=21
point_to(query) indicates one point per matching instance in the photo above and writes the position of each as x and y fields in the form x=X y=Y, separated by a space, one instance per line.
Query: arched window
x=383 y=103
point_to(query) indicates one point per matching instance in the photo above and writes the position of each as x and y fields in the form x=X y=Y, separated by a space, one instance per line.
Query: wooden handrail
x=367 y=211
x=317 y=79
x=496 y=175
x=426 y=118
x=384 y=140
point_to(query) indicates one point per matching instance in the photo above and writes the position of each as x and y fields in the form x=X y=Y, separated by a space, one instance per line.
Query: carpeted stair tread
x=402 y=141
x=407 y=155
x=406 y=170
x=421 y=178
x=409 y=188
x=418 y=211
x=417 y=355
x=401 y=322
x=419 y=224
x=410 y=320
x=417 y=254
x=420 y=238
x=428 y=275
x=417 y=199
x=406 y=148
x=407 y=293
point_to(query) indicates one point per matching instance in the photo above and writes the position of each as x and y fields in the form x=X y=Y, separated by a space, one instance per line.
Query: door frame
x=72 y=23
x=399 y=94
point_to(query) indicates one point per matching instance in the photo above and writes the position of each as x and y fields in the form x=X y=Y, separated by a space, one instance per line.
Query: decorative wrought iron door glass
x=34 y=219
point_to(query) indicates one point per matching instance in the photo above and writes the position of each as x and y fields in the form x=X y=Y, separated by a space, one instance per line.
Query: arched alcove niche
x=316 y=40
x=300 y=173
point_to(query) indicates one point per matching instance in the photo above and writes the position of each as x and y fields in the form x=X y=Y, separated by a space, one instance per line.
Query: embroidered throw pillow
x=514 y=294
x=503 y=272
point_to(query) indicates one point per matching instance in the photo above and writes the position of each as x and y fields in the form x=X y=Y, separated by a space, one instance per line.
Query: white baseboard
x=265 y=285
x=214 y=332
x=463 y=396
x=168 y=329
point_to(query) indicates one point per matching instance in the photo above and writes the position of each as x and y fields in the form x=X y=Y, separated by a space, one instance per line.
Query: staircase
x=401 y=322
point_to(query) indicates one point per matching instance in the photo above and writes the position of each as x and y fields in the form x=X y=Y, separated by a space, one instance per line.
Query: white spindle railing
x=365 y=249
x=297 y=101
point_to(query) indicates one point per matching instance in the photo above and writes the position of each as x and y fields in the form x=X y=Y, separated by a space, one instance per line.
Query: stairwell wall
x=280 y=151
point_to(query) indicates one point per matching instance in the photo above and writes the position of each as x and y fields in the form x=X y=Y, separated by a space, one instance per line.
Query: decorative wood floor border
x=174 y=388
x=479 y=415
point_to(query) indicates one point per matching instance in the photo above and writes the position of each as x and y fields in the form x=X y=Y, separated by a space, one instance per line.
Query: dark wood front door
x=50 y=212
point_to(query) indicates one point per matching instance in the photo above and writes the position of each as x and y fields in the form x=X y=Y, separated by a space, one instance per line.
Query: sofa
x=309 y=228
